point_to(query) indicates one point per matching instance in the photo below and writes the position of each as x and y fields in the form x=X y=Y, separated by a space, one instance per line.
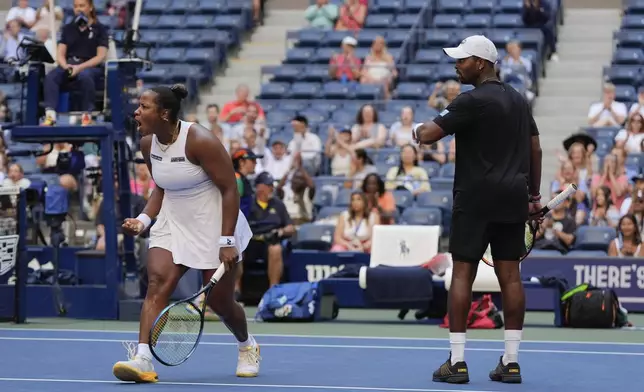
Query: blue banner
x=625 y=276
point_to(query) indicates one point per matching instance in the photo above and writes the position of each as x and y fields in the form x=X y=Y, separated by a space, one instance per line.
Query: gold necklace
x=175 y=136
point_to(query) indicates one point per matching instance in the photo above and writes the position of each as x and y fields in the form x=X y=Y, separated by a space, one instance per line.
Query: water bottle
x=131 y=286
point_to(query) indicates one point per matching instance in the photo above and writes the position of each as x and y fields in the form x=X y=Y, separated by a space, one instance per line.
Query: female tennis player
x=196 y=204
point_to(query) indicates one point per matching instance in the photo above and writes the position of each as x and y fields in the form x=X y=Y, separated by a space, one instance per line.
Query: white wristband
x=226 y=241
x=414 y=131
x=145 y=219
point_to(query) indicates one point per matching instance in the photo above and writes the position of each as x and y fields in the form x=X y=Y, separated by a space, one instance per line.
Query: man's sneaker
x=248 y=361
x=137 y=369
x=453 y=374
x=510 y=373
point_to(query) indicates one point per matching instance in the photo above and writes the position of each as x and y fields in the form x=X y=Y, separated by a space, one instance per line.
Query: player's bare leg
x=222 y=301
x=163 y=276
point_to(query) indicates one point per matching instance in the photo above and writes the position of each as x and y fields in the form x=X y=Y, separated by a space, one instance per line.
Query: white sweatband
x=226 y=241
x=145 y=219
x=414 y=131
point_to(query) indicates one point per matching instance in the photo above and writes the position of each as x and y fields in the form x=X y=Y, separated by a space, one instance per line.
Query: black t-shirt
x=272 y=216
x=82 y=45
x=493 y=125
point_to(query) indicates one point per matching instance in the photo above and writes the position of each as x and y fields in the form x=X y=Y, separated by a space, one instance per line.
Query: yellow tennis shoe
x=138 y=369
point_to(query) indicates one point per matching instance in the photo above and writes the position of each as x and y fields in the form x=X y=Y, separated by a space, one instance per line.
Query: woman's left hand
x=229 y=256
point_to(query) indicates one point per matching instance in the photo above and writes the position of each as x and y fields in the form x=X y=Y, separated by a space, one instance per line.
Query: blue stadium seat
x=212 y=7
x=183 y=38
x=417 y=73
x=414 y=5
x=379 y=21
x=530 y=39
x=287 y=73
x=439 y=199
x=482 y=6
x=586 y=253
x=310 y=37
x=303 y=90
x=365 y=38
x=279 y=116
x=382 y=168
x=594 y=238
x=633 y=22
x=388 y=118
x=390 y=156
x=387 y=6
x=395 y=38
x=429 y=56
x=447 y=21
x=405 y=21
x=168 y=55
x=625 y=93
x=315 y=116
x=445 y=72
x=179 y=7
x=438 y=38
x=432 y=168
x=507 y=21
x=228 y=22
x=274 y=90
x=314 y=73
x=323 y=55
x=544 y=253
x=148 y=21
x=293 y=105
x=629 y=38
x=510 y=6
x=199 y=21
x=343 y=198
x=170 y=22
x=602 y=132
x=335 y=90
x=447 y=170
x=623 y=74
x=410 y=91
x=628 y=56
x=328 y=212
x=422 y=216
x=298 y=56
x=404 y=198
x=344 y=116
x=314 y=237
x=634 y=7
x=475 y=21
x=500 y=37
x=158 y=74
x=441 y=184
x=157 y=7
x=634 y=162
x=322 y=198
x=368 y=91
x=451 y=6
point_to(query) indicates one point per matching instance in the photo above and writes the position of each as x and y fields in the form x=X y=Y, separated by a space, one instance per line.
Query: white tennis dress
x=189 y=223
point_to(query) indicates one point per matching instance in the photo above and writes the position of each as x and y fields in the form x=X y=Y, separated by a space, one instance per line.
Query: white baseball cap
x=349 y=41
x=475 y=45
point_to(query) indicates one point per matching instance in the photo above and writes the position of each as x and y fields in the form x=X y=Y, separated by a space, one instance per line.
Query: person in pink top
x=352 y=15
x=612 y=177
x=346 y=65
x=142 y=184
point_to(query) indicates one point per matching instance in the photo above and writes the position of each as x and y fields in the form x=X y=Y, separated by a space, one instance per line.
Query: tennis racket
x=177 y=330
x=531 y=226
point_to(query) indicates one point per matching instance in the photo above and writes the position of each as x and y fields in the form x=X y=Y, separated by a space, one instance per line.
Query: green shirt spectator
x=322 y=14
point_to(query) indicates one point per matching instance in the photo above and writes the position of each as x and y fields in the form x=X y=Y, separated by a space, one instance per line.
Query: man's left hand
x=534 y=212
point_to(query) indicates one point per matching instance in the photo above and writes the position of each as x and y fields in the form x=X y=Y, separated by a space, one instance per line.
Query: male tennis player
x=496 y=184
x=196 y=204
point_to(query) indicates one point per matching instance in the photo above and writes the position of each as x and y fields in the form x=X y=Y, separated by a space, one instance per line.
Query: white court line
x=345 y=346
x=395 y=338
x=267 y=386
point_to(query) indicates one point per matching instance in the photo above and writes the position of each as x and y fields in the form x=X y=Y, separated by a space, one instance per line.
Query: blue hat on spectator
x=264 y=178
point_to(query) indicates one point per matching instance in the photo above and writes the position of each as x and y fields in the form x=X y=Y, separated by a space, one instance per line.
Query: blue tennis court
x=79 y=360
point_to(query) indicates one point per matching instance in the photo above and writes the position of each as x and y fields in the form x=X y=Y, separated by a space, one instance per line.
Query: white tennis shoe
x=248 y=361
x=137 y=368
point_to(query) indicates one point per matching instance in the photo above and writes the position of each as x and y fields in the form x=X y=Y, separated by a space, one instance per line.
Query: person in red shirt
x=345 y=65
x=234 y=111
x=352 y=16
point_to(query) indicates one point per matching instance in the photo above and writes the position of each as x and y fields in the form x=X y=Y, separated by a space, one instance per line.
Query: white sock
x=457 y=345
x=144 y=351
x=248 y=343
x=512 y=341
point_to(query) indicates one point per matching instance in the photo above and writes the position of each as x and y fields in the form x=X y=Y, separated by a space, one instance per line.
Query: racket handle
x=560 y=198
x=216 y=277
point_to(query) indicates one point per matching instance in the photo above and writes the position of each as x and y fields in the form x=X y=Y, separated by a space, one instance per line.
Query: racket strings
x=175 y=334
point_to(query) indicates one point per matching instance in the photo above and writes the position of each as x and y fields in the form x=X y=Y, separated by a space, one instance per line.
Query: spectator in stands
x=16 y=177
x=608 y=113
x=367 y=132
x=400 y=132
x=235 y=110
x=4 y=162
x=253 y=142
x=611 y=177
x=361 y=166
x=346 y=66
x=271 y=224
x=49 y=164
x=352 y=16
x=516 y=68
x=251 y=119
x=42 y=26
x=143 y=184
x=536 y=13
x=307 y=144
x=557 y=232
x=23 y=13
x=569 y=175
x=379 y=66
x=604 y=212
x=355 y=226
x=631 y=137
x=379 y=199
x=639 y=105
x=277 y=162
x=297 y=190
x=621 y=155
x=451 y=151
x=581 y=158
x=218 y=131
x=634 y=203
x=338 y=149
x=212 y=111
x=235 y=146
x=322 y=14
x=628 y=242
x=11 y=39
x=82 y=49
x=408 y=175
x=444 y=94
x=244 y=163
x=433 y=153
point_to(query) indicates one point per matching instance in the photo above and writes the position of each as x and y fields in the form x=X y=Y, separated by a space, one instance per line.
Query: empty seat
x=477 y=21
x=411 y=91
x=314 y=236
x=404 y=198
x=633 y=22
x=441 y=184
x=429 y=56
x=447 y=21
x=379 y=21
x=628 y=56
x=507 y=21
x=482 y=6
x=422 y=216
x=451 y=6
x=594 y=238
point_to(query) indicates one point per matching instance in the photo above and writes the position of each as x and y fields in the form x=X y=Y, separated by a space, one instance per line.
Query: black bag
x=590 y=307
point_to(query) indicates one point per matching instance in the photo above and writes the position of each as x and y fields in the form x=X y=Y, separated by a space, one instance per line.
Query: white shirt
x=618 y=107
x=27 y=14
x=277 y=167
x=636 y=107
x=633 y=142
x=309 y=145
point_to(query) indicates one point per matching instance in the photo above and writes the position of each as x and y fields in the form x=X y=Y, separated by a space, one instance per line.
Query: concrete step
x=552 y=106
x=575 y=69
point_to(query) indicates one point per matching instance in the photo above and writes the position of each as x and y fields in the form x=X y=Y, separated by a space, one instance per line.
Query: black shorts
x=470 y=237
